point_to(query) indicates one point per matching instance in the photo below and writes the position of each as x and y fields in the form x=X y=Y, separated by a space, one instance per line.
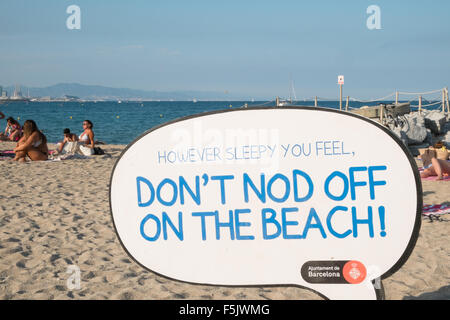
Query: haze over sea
x=120 y=123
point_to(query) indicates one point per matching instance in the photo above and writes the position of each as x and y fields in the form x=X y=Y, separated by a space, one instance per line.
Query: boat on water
x=292 y=96
x=282 y=103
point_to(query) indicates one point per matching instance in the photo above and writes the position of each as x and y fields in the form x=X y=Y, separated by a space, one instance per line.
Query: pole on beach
x=315 y=102
x=346 y=105
x=420 y=104
x=443 y=100
x=340 y=83
x=448 y=105
x=396 y=97
x=382 y=114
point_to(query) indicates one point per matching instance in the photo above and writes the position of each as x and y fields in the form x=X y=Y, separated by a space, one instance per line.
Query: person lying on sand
x=33 y=144
x=68 y=137
x=13 y=131
x=438 y=168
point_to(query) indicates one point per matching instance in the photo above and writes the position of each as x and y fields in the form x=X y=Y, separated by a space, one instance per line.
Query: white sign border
x=380 y=294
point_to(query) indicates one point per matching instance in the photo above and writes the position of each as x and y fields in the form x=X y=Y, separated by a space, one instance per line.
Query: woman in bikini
x=13 y=131
x=438 y=168
x=33 y=144
x=432 y=165
x=86 y=139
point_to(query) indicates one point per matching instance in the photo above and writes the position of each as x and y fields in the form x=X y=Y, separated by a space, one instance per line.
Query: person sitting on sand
x=33 y=144
x=13 y=131
x=86 y=139
x=438 y=168
x=68 y=137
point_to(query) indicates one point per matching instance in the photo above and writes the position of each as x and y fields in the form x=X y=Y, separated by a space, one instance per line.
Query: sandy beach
x=54 y=215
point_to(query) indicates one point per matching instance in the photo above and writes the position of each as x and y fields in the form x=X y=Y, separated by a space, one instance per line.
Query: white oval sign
x=316 y=198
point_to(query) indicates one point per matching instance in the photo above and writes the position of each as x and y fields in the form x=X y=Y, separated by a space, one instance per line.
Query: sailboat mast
x=292 y=91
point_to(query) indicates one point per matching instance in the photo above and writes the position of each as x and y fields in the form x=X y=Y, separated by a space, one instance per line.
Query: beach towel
x=71 y=150
x=67 y=156
x=7 y=154
x=434 y=212
x=433 y=178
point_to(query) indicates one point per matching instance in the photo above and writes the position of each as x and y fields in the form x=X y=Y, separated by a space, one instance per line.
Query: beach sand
x=55 y=216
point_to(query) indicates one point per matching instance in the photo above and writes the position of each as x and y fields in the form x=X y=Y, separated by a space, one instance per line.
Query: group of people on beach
x=85 y=140
x=32 y=142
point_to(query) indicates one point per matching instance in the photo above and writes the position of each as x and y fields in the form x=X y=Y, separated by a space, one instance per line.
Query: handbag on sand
x=98 y=151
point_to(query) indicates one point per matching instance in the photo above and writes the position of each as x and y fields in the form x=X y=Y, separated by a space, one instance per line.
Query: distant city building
x=70 y=98
x=17 y=96
x=3 y=94
x=17 y=93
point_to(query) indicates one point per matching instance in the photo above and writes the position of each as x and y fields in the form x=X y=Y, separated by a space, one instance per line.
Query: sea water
x=119 y=123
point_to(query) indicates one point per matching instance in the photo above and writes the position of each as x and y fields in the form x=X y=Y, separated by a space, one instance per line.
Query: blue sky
x=247 y=47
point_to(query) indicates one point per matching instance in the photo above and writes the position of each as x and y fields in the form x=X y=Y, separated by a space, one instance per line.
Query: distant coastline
x=77 y=91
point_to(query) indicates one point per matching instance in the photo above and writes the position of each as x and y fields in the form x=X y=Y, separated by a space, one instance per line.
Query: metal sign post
x=341 y=83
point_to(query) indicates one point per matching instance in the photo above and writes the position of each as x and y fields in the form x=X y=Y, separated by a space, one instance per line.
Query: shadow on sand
x=441 y=294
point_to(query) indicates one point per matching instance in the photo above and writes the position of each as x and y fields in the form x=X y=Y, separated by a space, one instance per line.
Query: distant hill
x=94 y=92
